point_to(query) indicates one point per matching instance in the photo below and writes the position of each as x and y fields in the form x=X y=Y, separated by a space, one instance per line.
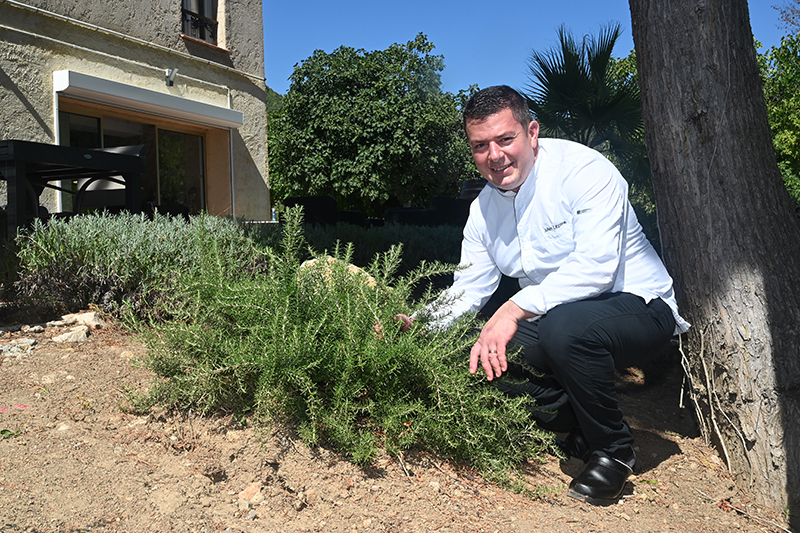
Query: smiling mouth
x=499 y=169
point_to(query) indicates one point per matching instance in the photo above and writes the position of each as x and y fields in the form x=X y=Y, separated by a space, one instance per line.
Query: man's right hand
x=405 y=320
x=490 y=348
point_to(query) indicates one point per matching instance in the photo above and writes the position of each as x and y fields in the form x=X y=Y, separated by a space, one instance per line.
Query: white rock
x=13 y=348
x=76 y=334
x=89 y=318
x=24 y=342
x=18 y=346
x=48 y=379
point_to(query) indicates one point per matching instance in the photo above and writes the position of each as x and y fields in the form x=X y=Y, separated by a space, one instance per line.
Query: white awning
x=102 y=91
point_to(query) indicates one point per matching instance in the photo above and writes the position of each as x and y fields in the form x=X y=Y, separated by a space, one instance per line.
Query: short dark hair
x=492 y=100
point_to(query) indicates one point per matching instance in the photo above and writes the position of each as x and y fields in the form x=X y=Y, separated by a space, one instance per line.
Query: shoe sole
x=588 y=499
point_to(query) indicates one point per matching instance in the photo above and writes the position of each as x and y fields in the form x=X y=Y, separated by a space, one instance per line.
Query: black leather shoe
x=601 y=482
x=575 y=445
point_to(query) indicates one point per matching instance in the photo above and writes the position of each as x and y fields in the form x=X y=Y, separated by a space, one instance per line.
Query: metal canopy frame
x=30 y=166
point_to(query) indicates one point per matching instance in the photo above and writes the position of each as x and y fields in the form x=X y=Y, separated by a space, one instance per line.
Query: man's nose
x=495 y=152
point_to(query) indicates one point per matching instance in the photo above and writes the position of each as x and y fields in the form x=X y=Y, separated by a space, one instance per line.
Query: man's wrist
x=515 y=312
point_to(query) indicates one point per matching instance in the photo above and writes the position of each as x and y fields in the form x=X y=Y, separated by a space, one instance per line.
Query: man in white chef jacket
x=594 y=295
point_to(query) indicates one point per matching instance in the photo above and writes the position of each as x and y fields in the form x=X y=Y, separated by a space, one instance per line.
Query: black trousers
x=568 y=360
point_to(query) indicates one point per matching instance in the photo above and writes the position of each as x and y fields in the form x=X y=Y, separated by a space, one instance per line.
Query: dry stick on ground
x=687 y=373
x=443 y=472
x=294 y=445
x=712 y=395
x=140 y=459
x=745 y=513
x=403 y=464
x=709 y=392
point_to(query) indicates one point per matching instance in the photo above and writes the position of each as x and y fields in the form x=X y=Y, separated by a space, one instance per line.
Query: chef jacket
x=568 y=234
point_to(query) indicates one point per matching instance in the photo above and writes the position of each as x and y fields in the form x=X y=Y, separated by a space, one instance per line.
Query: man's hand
x=404 y=326
x=406 y=321
x=490 y=348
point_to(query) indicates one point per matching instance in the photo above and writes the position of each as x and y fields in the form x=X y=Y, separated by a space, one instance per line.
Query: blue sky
x=482 y=43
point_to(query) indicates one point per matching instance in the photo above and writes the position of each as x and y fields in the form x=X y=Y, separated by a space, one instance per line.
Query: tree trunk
x=730 y=238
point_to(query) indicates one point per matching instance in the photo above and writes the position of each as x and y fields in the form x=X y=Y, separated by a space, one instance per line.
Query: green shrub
x=236 y=325
x=120 y=261
x=440 y=243
x=317 y=346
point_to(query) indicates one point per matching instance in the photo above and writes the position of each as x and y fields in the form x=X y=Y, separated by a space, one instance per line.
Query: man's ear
x=533 y=130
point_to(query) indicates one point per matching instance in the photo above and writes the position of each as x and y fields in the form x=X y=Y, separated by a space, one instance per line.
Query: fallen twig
x=140 y=459
x=297 y=449
x=403 y=464
x=451 y=476
x=730 y=507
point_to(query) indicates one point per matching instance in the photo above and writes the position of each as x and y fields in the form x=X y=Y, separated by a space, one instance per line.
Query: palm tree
x=578 y=91
x=574 y=94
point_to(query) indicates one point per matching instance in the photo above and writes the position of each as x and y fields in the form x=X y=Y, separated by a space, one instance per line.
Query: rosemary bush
x=238 y=325
x=316 y=345
x=420 y=243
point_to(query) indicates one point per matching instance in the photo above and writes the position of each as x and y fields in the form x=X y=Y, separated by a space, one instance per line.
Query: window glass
x=79 y=131
x=175 y=178
x=199 y=19
x=118 y=132
x=180 y=170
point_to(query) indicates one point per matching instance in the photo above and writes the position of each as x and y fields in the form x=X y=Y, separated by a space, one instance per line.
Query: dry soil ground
x=72 y=460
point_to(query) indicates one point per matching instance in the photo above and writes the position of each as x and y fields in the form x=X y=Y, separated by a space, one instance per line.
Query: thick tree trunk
x=729 y=235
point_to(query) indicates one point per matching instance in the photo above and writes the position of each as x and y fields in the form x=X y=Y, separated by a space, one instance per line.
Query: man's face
x=504 y=150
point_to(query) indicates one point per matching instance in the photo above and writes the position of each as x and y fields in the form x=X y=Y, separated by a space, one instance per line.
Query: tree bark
x=729 y=234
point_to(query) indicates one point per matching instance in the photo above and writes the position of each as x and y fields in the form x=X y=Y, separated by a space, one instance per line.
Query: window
x=175 y=177
x=79 y=131
x=199 y=20
x=180 y=170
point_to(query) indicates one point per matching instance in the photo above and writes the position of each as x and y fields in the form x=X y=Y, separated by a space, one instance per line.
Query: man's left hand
x=490 y=348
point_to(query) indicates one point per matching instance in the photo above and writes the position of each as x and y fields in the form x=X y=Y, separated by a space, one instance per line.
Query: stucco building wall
x=230 y=75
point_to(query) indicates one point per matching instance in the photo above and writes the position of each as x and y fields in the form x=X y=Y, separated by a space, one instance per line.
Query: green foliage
x=273 y=101
x=578 y=91
x=574 y=96
x=7 y=433
x=234 y=325
x=439 y=243
x=316 y=345
x=780 y=71
x=119 y=262
x=372 y=129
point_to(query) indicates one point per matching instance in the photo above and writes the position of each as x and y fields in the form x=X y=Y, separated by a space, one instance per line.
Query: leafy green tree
x=635 y=166
x=372 y=129
x=578 y=91
x=780 y=72
x=273 y=101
